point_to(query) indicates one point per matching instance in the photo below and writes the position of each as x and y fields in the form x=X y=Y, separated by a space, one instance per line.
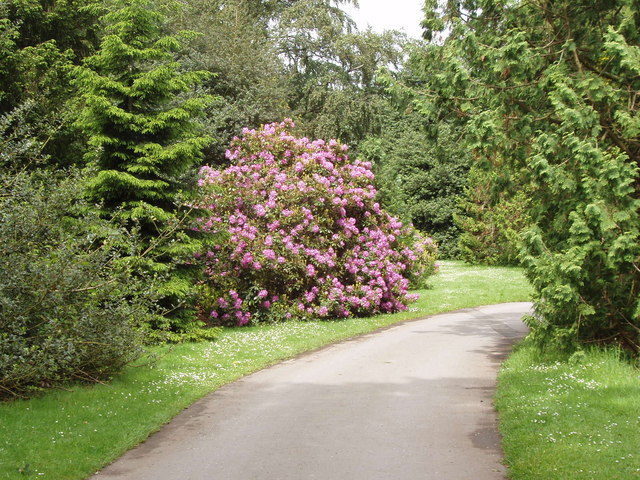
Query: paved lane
x=411 y=402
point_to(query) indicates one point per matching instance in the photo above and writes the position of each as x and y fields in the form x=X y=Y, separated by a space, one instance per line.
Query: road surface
x=406 y=403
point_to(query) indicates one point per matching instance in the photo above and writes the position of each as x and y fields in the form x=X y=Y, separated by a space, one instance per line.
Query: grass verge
x=68 y=435
x=571 y=419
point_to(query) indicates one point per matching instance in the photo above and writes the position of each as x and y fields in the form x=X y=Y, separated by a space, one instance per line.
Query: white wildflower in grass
x=578 y=417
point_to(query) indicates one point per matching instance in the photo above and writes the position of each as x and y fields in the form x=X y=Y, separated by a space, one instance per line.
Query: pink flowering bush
x=302 y=234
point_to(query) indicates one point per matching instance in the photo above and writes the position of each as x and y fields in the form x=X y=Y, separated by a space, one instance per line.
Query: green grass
x=572 y=419
x=70 y=434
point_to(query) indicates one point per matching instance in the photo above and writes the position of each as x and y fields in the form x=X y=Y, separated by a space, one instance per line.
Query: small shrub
x=304 y=236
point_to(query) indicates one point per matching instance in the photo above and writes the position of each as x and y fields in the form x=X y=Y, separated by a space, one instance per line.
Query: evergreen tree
x=145 y=141
x=40 y=42
x=547 y=94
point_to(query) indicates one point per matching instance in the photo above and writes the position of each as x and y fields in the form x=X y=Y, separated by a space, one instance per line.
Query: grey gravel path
x=407 y=403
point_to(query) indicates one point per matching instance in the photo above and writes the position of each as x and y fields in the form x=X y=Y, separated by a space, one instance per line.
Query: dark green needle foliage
x=145 y=143
x=547 y=93
x=40 y=42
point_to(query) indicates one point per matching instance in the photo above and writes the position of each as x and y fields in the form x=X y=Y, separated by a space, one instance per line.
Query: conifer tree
x=144 y=141
x=547 y=94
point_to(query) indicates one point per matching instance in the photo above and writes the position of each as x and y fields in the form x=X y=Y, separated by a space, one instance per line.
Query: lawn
x=570 y=419
x=69 y=434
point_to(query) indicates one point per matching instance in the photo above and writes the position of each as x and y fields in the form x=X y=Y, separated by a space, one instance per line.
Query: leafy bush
x=304 y=234
x=68 y=307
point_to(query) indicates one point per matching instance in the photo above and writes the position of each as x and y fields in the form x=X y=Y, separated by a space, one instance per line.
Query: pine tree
x=144 y=141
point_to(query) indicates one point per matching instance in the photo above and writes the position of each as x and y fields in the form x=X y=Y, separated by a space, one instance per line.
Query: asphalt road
x=407 y=403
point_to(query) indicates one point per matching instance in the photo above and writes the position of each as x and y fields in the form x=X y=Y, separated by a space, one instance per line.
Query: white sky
x=382 y=15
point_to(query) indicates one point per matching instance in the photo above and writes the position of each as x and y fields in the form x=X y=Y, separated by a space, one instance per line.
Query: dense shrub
x=68 y=307
x=421 y=176
x=492 y=221
x=304 y=234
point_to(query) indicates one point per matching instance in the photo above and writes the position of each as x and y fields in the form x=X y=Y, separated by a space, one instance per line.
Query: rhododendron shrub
x=303 y=235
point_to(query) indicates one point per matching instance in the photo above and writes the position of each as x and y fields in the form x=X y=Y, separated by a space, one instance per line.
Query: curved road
x=411 y=402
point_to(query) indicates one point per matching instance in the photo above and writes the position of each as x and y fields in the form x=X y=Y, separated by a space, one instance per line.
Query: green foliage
x=586 y=275
x=546 y=94
x=492 y=222
x=421 y=175
x=40 y=41
x=332 y=70
x=70 y=308
x=19 y=150
x=70 y=24
x=145 y=143
x=236 y=46
x=301 y=59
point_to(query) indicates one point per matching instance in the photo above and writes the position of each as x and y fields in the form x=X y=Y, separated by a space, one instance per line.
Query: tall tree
x=247 y=81
x=547 y=91
x=40 y=41
x=301 y=59
x=144 y=139
x=331 y=69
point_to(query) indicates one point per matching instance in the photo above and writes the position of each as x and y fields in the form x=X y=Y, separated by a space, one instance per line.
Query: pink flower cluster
x=303 y=235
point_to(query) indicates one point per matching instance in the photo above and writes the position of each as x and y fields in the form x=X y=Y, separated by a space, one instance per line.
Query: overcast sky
x=389 y=14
